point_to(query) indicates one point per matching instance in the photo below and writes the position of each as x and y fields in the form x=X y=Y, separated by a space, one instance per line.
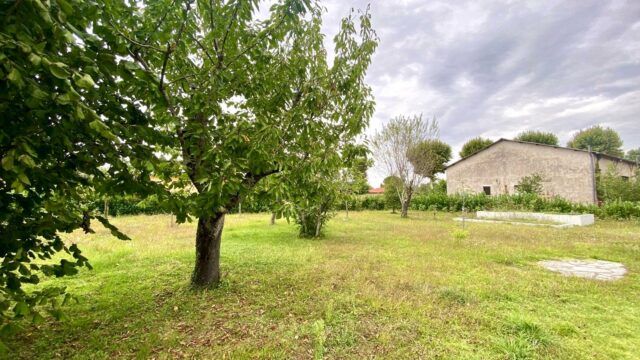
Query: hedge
x=431 y=201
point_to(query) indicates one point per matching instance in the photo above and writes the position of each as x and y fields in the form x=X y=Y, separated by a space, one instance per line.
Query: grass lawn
x=376 y=286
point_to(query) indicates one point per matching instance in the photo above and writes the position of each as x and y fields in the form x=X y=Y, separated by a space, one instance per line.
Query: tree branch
x=132 y=41
x=146 y=41
x=226 y=33
x=206 y=52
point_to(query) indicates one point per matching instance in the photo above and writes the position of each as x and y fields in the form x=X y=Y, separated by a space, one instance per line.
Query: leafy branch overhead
x=68 y=128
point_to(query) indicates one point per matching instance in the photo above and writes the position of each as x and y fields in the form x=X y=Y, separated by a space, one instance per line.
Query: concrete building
x=568 y=173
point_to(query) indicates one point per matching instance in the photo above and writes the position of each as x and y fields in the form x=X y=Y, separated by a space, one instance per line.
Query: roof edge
x=599 y=154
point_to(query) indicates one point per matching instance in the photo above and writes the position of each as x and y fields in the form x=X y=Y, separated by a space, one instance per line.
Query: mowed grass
x=376 y=286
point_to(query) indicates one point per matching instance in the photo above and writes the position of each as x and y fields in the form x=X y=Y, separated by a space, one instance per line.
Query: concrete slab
x=591 y=269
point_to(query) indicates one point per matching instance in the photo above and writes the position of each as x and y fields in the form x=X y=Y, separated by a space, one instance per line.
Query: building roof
x=379 y=190
x=598 y=154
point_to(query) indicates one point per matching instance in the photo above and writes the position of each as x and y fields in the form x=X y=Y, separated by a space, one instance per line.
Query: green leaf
x=63 y=99
x=35 y=59
x=38 y=94
x=85 y=82
x=27 y=160
x=102 y=129
x=66 y=7
x=7 y=161
x=129 y=65
x=15 y=77
x=17 y=186
x=79 y=112
x=24 y=179
x=21 y=309
x=59 y=70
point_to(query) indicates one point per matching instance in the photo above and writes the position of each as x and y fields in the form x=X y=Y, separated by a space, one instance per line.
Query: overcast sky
x=495 y=68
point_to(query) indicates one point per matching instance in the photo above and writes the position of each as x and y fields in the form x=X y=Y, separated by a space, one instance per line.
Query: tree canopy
x=245 y=97
x=429 y=157
x=633 y=154
x=473 y=146
x=391 y=147
x=67 y=130
x=600 y=139
x=538 y=137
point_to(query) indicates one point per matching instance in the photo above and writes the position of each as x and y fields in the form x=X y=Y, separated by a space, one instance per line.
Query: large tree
x=473 y=146
x=539 y=137
x=67 y=130
x=245 y=97
x=429 y=157
x=391 y=147
x=599 y=139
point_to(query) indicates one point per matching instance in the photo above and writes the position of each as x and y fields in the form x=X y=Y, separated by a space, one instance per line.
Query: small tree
x=429 y=157
x=392 y=188
x=599 y=139
x=391 y=147
x=473 y=146
x=313 y=206
x=538 y=137
x=531 y=184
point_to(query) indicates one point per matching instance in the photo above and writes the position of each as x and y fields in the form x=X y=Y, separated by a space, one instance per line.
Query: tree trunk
x=405 y=206
x=346 y=205
x=208 y=236
x=106 y=208
x=273 y=218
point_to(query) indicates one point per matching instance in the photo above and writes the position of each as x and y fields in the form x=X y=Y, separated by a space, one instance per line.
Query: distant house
x=379 y=190
x=568 y=173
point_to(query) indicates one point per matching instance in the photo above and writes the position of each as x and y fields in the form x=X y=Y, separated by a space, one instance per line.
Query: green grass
x=374 y=286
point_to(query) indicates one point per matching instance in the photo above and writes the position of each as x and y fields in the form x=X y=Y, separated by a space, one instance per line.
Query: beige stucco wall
x=567 y=173
x=619 y=167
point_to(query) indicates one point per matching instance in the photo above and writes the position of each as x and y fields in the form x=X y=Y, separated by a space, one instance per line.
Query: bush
x=619 y=210
x=531 y=184
x=523 y=202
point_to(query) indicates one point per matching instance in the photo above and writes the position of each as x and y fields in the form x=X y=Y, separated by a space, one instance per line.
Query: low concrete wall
x=577 y=220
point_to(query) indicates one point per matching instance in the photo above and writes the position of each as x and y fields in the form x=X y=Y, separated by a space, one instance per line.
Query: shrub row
x=128 y=205
x=431 y=201
x=524 y=202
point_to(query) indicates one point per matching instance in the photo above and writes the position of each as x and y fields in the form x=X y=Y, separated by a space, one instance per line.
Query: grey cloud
x=495 y=68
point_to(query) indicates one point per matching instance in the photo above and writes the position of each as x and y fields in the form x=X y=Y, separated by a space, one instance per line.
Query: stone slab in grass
x=590 y=269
